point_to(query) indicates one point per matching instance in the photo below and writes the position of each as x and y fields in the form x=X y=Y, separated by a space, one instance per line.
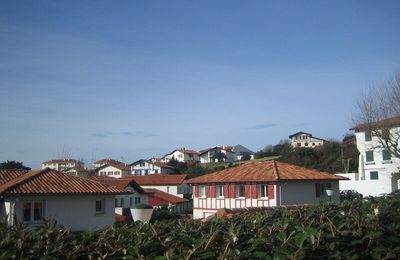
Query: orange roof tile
x=158 y=179
x=262 y=172
x=164 y=196
x=122 y=183
x=51 y=182
x=393 y=121
x=120 y=166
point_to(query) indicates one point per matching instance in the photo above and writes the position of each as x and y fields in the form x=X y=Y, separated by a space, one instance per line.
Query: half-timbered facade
x=261 y=184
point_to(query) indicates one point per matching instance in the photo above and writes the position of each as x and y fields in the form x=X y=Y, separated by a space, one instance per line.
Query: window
x=220 y=191
x=313 y=144
x=137 y=200
x=373 y=175
x=100 y=206
x=263 y=191
x=240 y=191
x=142 y=164
x=130 y=201
x=155 y=171
x=202 y=191
x=298 y=144
x=167 y=188
x=122 y=202
x=320 y=189
x=116 y=203
x=368 y=135
x=116 y=173
x=386 y=155
x=146 y=172
x=35 y=213
x=385 y=134
x=306 y=144
x=369 y=156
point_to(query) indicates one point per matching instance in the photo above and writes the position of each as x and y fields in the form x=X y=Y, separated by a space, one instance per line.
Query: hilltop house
x=114 y=170
x=217 y=154
x=169 y=190
x=240 y=151
x=74 y=202
x=303 y=139
x=146 y=167
x=261 y=184
x=181 y=155
x=70 y=166
x=378 y=171
x=102 y=162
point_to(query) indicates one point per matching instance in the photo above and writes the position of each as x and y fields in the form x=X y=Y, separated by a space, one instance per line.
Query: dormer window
x=368 y=135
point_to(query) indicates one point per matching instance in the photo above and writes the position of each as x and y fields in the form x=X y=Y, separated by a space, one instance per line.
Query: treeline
x=333 y=156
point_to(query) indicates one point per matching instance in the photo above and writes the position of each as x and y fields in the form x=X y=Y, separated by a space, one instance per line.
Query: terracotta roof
x=164 y=197
x=50 y=182
x=158 y=179
x=264 y=171
x=214 y=148
x=62 y=161
x=118 y=182
x=393 y=121
x=107 y=161
x=8 y=175
x=120 y=166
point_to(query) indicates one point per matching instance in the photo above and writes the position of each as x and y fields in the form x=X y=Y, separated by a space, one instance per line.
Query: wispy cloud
x=262 y=126
x=125 y=133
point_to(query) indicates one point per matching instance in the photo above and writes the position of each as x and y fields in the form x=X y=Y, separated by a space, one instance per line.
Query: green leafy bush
x=354 y=229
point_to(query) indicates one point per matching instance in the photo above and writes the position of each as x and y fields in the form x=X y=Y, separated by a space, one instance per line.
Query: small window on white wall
x=202 y=191
x=220 y=191
x=100 y=207
x=263 y=191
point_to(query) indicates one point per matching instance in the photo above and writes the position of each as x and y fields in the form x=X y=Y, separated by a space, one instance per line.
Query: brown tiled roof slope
x=122 y=183
x=165 y=196
x=264 y=171
x=120 y=166
x=52 y=182
x=8 y=175
x=158 y=179
x=393 y=121
x=62 y=161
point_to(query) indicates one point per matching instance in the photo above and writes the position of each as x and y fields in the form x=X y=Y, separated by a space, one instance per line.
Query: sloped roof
x=262 y=172
x=63 y=161
x=299 y=133
x=215 y=148
x=157 y=163
x=393 y=121
x=158 y=179
x=164 y=196
x=120 y=166
x=50 y=182
x=119 y=182
x=184 y=151
x=107 y=161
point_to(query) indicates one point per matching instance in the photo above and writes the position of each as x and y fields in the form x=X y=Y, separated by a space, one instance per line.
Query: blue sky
x=136 y=79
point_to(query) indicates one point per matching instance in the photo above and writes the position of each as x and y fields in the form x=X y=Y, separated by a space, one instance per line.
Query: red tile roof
x=262 y=172
x=118 y=182
x=120 y=166
x=162 y=198
x=158 y=179
x=393 y=121
x=50 y=182
x=157 y=163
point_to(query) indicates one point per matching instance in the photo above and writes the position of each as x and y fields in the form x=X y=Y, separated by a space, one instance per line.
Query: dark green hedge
x=359 y=229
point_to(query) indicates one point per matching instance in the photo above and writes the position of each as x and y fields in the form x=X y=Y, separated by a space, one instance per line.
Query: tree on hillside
x=173 y=162
x=374 y=109
x=219 y=156
x=13 y=165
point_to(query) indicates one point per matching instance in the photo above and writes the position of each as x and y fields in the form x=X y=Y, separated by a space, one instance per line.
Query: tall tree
x=378 y=111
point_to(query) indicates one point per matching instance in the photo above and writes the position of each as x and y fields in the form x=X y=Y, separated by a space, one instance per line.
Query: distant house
x=74 y=202
x=240 y=151
x=217 y=154
x=102 y=162
x=135 y=194
x=182 y=155
x=261 y=184
x=114 y=170
x=70 y=166
x=179 y=191
x=146 y=167
x=378 y=170
x=303 y=139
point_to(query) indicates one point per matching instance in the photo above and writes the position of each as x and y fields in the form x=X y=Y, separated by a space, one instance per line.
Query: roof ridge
x=21 y=179
x=276 y=171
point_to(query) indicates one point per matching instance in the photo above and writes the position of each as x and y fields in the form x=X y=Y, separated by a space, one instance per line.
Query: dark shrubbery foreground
x=358 y=229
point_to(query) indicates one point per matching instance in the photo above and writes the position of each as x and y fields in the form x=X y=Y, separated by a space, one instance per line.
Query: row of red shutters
x=250 y=191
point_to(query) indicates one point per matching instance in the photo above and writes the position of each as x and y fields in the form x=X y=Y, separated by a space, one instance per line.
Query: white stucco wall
x=367 y=187
x=116 y=173
x=303 y=192
x=74 y=212
x=171 y=189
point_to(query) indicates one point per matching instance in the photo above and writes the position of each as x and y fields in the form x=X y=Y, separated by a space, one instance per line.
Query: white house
x=70 y=166
x=261 y=184
x=303 y=139
x=146 y=167
x=97 y=164
x=74 y=202
x=182 y=155
x=114 y=170
x=213 y=155
x=240 y=151
x=378 y=171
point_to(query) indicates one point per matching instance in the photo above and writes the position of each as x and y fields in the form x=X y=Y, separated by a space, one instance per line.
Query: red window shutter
x=271 y=191
x=207 y=191
x=247 y=191
x=212 y=191
x=196 y=191
x=254 y=191
x=226 y=191
x=232 y=191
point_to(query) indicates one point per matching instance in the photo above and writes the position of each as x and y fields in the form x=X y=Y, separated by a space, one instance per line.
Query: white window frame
x=202 y=191
x=237 y=191
x=32 y=211
x=220 y=191
x=265 y=188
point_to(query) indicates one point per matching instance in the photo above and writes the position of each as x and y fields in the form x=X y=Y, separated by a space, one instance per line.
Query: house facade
x=159 y=198
x=217 y=154
x=147 y=167
x=114 y=170
x=378 y=171
x=303 y=139
x=74 y=202
x=261 y=184
x=240 y=151
x=99 y=163
x=182 y=155
x=70 y=166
